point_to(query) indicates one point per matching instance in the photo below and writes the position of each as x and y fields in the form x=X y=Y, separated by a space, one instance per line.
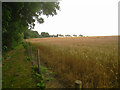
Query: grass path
x=17 y=71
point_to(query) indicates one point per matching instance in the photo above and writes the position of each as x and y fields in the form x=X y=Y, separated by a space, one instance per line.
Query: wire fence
x=33 y=55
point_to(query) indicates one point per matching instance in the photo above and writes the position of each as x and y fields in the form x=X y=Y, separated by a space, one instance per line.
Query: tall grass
x=94 y=61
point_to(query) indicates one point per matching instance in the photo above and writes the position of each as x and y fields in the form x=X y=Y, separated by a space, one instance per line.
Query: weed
x=41 y=85
x=39 y=77
x=28 y=59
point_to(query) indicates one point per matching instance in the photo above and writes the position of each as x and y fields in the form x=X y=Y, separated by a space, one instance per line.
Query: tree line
x=34 y=34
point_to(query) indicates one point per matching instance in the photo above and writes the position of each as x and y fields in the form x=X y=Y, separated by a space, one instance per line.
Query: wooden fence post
x=38 y=62
x=78 y=84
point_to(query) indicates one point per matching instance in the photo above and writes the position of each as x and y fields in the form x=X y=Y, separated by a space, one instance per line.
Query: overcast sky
x=86 y=17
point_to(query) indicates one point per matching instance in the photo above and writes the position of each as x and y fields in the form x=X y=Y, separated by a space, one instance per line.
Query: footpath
x=16 y=70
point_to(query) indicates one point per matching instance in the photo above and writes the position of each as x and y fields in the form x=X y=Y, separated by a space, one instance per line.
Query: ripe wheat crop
x=93 y=60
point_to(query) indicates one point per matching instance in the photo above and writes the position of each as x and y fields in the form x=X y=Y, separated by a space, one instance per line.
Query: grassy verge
x=42 y=75
x=16 y=70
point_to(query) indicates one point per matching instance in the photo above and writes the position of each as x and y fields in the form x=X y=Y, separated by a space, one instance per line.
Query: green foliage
x=28 y=50
x=26 y=45
x=39 y=77
x=39 y=85
x=45 y=34
x=35 y=68
x=28 y=59
x=43 y=77
x=29 y=43
x=49 y=78
x=17 y=17
x=41 y=82
x=43 y=69
x=33 y=48
x=31 y=34
x=48 y=74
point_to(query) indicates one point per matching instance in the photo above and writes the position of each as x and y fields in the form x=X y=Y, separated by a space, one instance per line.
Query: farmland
x=93 y=60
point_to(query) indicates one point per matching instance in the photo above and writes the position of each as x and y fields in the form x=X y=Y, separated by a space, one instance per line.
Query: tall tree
x=18 y=16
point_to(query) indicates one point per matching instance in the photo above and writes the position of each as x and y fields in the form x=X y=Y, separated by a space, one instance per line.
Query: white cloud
x=87 y=17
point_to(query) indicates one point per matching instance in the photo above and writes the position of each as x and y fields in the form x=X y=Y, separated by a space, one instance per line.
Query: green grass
x=16 y=70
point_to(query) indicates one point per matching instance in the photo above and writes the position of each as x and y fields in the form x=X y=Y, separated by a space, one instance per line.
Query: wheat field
x=93 y=60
